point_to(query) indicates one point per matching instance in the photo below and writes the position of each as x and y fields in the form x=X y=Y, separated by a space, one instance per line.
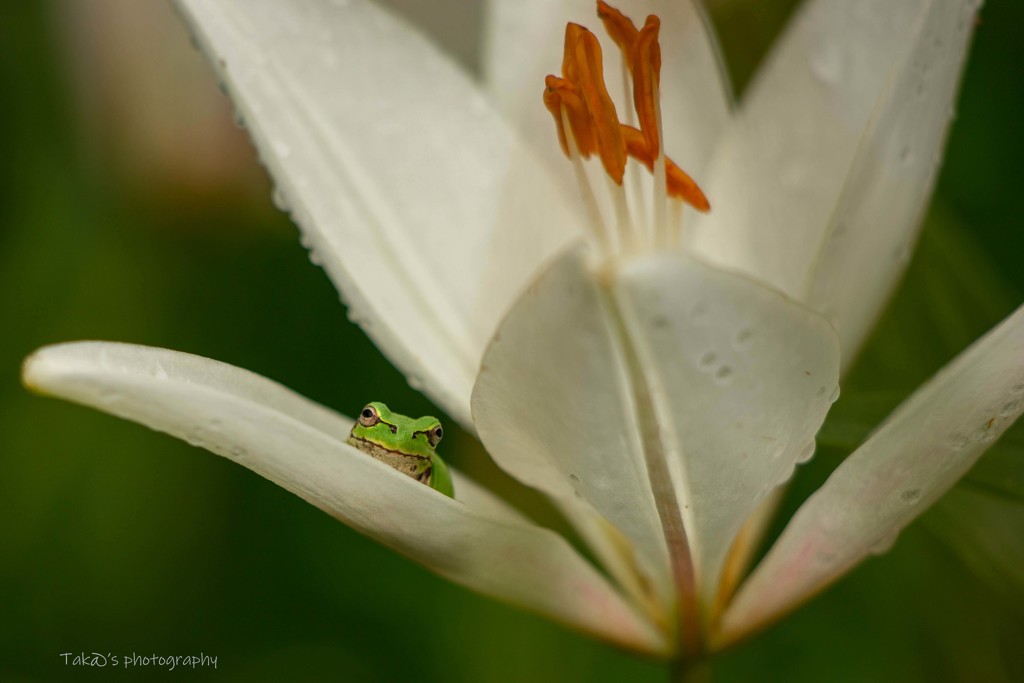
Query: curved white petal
x=523 y=43
x=849 y=87
x=680 y=379
x=415 y=196
x=300 y=446
x=741 y=380
x=924 y=447
x=874 y=227
x=553 y=407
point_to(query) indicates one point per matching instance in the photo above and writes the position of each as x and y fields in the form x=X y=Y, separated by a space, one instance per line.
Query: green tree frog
x=405 y=443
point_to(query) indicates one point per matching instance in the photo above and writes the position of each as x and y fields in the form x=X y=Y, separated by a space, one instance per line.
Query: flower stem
x=684 y=670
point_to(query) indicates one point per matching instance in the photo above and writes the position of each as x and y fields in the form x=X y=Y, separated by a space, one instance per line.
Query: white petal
x=415 y=196
x=841 y=85
x=741 y=380
x=553 y=407
x=873 y=230
x=682 y=371
x=924 y=447
x=523 y=43
x=300 y=446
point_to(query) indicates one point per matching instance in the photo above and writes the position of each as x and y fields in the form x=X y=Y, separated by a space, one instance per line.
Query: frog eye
x=434 y=435
x=369 y=416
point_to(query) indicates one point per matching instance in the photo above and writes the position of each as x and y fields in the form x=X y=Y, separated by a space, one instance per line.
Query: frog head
x=397 y=433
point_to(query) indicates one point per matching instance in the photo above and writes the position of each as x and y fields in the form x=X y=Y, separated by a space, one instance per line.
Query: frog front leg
x=440 y=477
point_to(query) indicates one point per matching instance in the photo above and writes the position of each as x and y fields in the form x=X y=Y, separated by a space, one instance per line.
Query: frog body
x=405 y=443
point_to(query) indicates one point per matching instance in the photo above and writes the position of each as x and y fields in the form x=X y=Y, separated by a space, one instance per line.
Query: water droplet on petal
x=806 y=454
x=108 y=396
x=723 y=375
x=281 y=148
x=827 y=64
x=884 y=544
x=1010 y=408
x=959 y=441
x=707 y=360
x=910 y=496
x=743 y=338
x=279 y=199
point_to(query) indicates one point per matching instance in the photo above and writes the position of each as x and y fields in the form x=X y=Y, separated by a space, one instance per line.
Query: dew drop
x=959 y=441
x=806 y=454
x=238 y=451
x=825 y=557
x=723 y=374
x=659 y=322
x=744 y=338
x=910 y=496
x=835 y=395
x=708 y=359
x=108 y=396
x=901 y=254
x=827 y=64
x=194 y=439
x=884 y=544
x=281 y=148
x=1010 y=408
x=279 y=199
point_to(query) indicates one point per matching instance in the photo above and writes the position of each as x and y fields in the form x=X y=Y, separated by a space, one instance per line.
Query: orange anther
x=678 y=183
x=553 y=103
x=646 y=78
x=581 y=98
x=610 y=144
x=681 y=185
x=559 y=93
x=620 y=28
x=570 y=71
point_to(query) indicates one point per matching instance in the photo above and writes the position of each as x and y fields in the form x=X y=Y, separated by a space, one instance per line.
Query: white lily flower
x=658 y=395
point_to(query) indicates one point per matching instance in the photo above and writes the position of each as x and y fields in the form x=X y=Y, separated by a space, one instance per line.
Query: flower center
x=588 y=124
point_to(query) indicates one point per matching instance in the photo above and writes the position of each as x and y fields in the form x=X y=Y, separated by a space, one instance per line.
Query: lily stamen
x=572 y=150
x=579 y=101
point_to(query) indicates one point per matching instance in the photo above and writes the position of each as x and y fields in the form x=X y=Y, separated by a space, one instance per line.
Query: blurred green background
x=132 y=209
